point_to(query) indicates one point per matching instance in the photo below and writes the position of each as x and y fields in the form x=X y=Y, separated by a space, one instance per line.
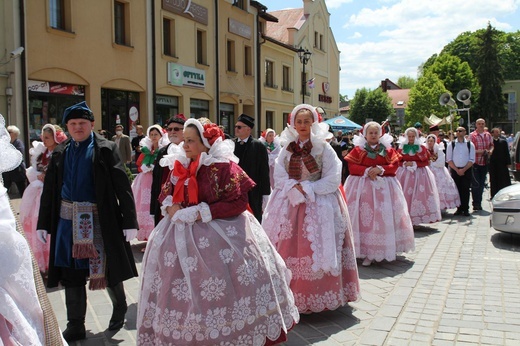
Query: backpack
x=453 y=146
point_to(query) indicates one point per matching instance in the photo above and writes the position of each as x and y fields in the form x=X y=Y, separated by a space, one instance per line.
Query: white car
x=505 y=216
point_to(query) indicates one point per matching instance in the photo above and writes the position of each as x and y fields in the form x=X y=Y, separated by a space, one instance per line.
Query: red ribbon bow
x=184 y=174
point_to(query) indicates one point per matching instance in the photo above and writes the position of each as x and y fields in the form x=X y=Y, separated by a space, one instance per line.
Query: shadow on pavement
x=321 y=326
x=506 y=241
x=421 y=231
x=384 y=269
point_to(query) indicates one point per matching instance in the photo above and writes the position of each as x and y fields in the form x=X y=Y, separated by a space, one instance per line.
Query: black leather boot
x=76 y=302
x=118 y=297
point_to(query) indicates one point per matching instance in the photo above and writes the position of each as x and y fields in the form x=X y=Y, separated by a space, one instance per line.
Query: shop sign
x=55 y=88
x=180 y=75
x=166 y=100
x=240 y=29
x=188 y=9
x=325 y=98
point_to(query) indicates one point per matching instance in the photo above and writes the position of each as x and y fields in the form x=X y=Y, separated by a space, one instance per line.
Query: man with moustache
x=174 y=127
x=88 y=208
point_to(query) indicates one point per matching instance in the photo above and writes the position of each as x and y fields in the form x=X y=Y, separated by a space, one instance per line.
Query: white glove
x=295 y=197
x=42 y=235
x=130 y=234
x=187 y=215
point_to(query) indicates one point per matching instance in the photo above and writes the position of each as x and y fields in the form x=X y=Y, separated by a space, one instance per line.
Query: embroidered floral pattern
x=170 y=258
x=226 y=255
x=212 y=289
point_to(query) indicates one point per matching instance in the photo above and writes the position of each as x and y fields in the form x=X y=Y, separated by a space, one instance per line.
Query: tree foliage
x=373 y=104
x=424 y=99
x=467 y=45
x=454 y=74
x=489 y=72
x=406 y=82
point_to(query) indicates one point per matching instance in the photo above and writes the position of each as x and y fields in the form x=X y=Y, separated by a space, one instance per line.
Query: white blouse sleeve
x=330 y=175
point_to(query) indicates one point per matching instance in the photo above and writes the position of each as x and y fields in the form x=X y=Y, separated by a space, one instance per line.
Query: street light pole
x=304 y=55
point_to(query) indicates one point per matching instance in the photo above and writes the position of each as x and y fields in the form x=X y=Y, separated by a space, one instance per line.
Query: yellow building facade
x=137 y=61
x=306 y=28
x=87 y=50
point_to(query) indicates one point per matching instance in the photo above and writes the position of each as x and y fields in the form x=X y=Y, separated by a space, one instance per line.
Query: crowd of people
x=242 y=235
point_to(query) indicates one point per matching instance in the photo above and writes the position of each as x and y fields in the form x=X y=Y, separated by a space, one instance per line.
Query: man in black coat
x=174 y=126
x=254 y=161
x=499 y=163
x=87 y=207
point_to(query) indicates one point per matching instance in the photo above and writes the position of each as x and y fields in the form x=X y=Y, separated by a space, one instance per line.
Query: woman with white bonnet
x=307 y=218
x=417 y=180
x=210 y=275
x=41 y=152
x=378 y=210
x=272 y=144
x=448 y=193
x=154 y=140
x=22 y=294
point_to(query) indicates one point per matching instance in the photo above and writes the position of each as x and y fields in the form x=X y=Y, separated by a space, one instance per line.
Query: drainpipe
x=217 y=66
x=258 y=77
x=153 y=96
x=23 y=61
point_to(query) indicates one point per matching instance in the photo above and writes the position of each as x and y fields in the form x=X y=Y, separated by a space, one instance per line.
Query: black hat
x=246 y=119
x=434 y=128
x=78 y=111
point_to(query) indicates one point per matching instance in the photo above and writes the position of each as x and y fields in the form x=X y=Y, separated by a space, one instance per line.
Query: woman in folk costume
x=272 y=144
x=210 y=274
x=51 y=136
x=22 y=319
x=448 y=193
x=417 y=180
x=307 y=219
x=377 y=207
x=142 y=184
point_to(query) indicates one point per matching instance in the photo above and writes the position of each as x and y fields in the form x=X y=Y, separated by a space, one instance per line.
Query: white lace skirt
x=380 y=220
x=211 y=284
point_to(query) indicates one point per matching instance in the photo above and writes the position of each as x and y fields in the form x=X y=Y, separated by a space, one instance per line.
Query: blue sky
x=381 y=39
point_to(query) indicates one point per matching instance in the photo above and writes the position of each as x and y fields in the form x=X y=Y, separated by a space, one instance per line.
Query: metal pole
x=469 y=122
x=304 y=82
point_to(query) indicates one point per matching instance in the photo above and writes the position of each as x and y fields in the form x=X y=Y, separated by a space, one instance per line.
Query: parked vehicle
x=505 y=216
x=515 y=157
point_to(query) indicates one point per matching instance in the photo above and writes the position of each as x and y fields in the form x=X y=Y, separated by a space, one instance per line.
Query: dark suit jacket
x=255 y=162
x=115 y=203
x=159 y=177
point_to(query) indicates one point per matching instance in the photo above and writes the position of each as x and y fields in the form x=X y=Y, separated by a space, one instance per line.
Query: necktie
x=242 y=142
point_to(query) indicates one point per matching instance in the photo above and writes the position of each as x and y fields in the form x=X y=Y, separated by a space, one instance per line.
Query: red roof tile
x=290 y=18
x=399 y=95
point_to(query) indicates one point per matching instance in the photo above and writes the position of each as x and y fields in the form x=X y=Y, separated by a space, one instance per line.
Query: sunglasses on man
x=176 y=129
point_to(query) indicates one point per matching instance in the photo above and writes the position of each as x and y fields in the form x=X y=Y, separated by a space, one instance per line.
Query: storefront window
x=47 y=101
x=199 y=108
x=165 y=108
x=119 y=107
x=227 y=116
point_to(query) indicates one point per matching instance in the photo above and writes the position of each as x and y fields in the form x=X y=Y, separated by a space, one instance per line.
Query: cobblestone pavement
x=460 y=286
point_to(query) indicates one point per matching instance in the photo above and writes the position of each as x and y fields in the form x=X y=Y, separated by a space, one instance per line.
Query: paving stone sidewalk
x=460 y=286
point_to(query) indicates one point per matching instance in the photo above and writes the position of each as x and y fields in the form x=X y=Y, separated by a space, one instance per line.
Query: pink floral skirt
x=421 y=194
x=29 y=209
x=142 y=190
x=380 y=220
